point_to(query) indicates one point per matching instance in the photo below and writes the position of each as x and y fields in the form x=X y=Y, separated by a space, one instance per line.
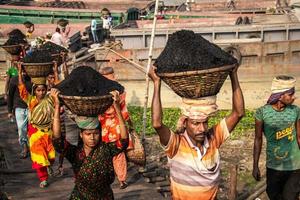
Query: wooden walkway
x=20 y=182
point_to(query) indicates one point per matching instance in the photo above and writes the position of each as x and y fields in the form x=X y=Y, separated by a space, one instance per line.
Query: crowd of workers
x=192 y=149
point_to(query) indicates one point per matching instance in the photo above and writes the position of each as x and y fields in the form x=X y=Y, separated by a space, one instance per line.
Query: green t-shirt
x=12 y=71
x=279 y=129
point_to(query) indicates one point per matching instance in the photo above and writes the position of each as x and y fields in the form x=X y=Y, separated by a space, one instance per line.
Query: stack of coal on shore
x=85 y=92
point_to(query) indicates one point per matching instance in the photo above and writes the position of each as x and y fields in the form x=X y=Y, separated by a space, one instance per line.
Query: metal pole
x=148 y=67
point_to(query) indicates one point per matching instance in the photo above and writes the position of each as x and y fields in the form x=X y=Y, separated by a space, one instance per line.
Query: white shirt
x=107 y=22
x=93 y=24
x=57 y=39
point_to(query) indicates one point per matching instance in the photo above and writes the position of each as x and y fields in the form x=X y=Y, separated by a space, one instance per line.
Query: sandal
x=44 y=184
x=23 y=155
x=123 y=185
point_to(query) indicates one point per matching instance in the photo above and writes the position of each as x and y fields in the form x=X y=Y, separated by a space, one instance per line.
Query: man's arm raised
x=238 y=107
x=156 y=110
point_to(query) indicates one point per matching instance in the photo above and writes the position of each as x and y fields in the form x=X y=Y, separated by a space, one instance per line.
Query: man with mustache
x=193 y=150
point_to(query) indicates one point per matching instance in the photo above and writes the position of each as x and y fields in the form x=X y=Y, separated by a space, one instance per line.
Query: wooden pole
x=148 y=68
x=258 y=192
x=232 y=194
x=136 y=65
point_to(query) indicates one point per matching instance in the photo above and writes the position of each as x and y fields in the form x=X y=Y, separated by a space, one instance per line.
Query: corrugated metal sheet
x=173 y=2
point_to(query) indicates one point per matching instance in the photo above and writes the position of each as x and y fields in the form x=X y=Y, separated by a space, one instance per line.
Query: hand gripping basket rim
x=198 y=83
x=78 y=105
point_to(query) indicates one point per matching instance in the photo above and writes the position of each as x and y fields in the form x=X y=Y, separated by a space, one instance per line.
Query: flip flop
x=124 y=185
x=23 y=155
x=44 y=184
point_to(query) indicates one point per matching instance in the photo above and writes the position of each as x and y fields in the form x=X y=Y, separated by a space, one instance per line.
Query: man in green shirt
x=279 y=120
x=11 y=72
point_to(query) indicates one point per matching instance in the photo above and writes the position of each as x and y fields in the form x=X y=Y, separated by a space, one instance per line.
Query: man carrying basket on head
x=193 y=151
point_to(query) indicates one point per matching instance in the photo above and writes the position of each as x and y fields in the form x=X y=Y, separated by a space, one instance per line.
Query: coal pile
x=16 y=33
x=64 y=4
x=38 y=56
x=15 y=37
x=187 y=51
x=14 y=41
x=86 y=82
x=53 y=48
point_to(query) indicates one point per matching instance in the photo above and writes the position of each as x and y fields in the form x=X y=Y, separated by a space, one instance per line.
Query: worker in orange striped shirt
x=193 y=150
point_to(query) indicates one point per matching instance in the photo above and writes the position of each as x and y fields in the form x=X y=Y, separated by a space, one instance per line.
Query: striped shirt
x=195 y=175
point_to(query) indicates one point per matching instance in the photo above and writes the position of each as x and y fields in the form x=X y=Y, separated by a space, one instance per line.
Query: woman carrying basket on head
x=91 y=161
x=41 y=111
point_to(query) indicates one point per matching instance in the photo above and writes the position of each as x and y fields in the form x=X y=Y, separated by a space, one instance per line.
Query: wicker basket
x=87 y=106
x=38 y=69
x=137 y=154
x=13 y=49
x=196 y=84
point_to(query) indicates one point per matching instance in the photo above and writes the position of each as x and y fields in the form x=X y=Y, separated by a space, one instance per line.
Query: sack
x=137 y=154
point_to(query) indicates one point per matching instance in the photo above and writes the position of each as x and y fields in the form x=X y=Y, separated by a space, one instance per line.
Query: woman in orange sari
x=111 y=130
x=41 y=111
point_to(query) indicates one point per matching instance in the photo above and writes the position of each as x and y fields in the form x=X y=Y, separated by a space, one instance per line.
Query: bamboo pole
x=233 y=182
x=148 y=68
x=258 y=192
x=136 y=65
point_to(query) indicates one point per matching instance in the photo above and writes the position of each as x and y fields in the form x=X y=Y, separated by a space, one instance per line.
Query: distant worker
x=29 y=28
x=246 y=20
x=239 y=21
x=106 y=18
x=94 y=29
x=65 y=32
x=188 y=4
x=230 y=4
x=57 y=37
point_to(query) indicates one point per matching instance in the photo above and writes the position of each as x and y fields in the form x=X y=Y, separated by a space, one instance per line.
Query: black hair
x=50 y=73
x=57 y=29
x=284 y=77
x=36 y=85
